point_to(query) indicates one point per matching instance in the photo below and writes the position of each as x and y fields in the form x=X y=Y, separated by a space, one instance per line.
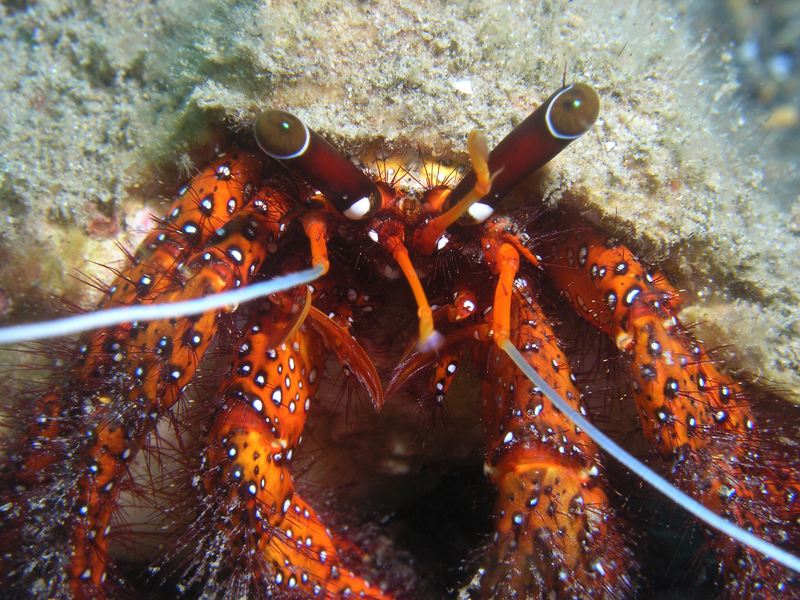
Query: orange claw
x=464 y=306
x=349 y=352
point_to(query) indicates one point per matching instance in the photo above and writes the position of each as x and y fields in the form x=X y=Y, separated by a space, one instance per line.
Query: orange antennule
x=391 y=238
x=316 y=228
x=478 y=147
x=503 y=258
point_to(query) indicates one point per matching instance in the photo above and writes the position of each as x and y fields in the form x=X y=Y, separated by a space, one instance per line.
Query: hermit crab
x=475 y=268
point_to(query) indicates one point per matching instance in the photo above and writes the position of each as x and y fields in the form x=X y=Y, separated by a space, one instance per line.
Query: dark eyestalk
x=304 y=152
x=564 y=117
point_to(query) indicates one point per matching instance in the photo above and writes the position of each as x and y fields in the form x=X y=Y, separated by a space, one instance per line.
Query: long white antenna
x=154 y=312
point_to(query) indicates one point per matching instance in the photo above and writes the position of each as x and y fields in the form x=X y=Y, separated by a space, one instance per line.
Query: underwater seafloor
x=110 y=106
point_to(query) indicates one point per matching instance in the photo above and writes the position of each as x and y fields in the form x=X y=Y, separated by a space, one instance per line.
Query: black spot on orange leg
x=601 y=280
x=262 y=409
x=160 y=358
x=444 y=374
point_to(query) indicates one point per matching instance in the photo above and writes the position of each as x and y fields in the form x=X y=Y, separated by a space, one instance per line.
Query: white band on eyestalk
x=480 y=212
x=358 y=209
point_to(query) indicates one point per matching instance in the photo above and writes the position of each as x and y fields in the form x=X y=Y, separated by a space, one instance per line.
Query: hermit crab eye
x=285 y=137
x=573 y=111
x=280 y=134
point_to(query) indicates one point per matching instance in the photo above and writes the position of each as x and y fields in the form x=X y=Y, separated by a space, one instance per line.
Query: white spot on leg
x=277 y=396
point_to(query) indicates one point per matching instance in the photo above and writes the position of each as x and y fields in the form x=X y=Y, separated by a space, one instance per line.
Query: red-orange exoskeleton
x=557 y=534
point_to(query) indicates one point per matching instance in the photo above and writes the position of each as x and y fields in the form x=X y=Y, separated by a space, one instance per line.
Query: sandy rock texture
x=106 y=102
